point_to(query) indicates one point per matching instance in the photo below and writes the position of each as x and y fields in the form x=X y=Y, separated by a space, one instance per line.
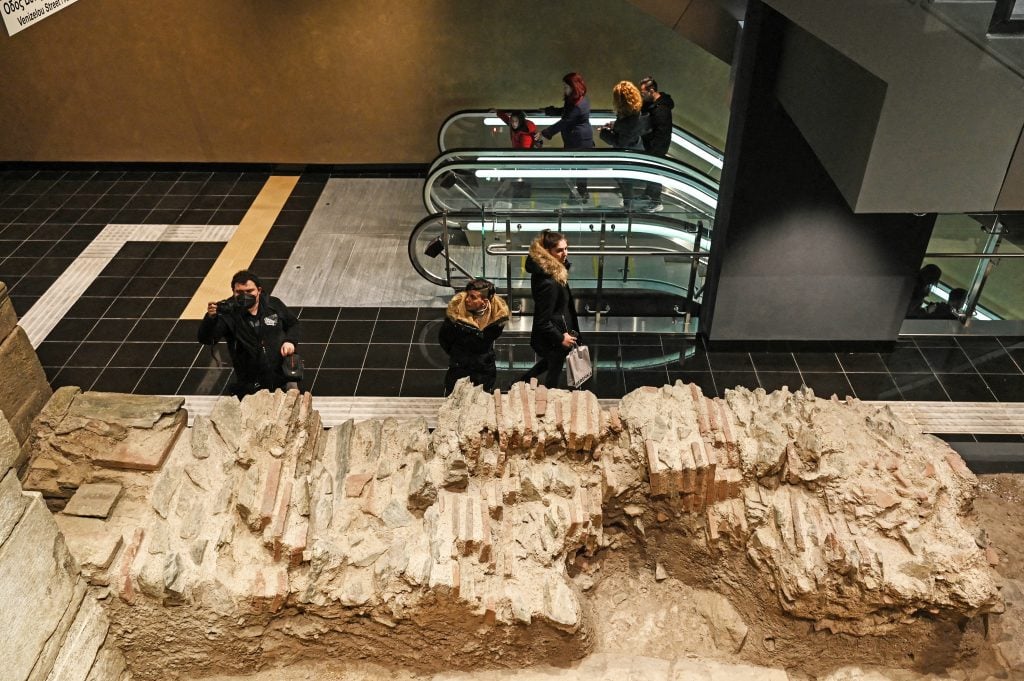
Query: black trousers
x=548 y=369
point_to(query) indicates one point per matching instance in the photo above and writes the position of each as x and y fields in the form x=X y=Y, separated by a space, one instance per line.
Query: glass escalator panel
x=481 y=129
x=612 y=251
x=495 y=181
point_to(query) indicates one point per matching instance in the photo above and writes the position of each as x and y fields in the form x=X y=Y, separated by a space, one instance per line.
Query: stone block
x=109 y=664
x=8 y=317
x=144 y=450
x=92 y=542
x=37 y=578
x=12 y=505
x=23 y=386
x=94 y=500
x=81 y=644
x=10 y=448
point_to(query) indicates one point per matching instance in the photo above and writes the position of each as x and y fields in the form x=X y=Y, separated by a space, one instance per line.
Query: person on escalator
x=475 y=319
x=658 y=107
x=520 y=129
x=556 y=328
x=625 y=132
x=522 y=132
x=573 y=123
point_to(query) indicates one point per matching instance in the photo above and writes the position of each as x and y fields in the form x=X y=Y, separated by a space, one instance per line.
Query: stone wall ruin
x=256 y=537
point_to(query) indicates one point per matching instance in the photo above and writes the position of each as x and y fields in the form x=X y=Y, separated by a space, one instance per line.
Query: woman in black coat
x=475 y=319
x=555 y=326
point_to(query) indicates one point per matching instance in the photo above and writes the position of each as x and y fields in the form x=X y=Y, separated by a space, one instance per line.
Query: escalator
x=630 y=255
x=482 y=129
x=548 y=180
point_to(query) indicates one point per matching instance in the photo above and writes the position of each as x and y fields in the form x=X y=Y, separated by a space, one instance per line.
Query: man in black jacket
x=260 y=332
x=658 y=107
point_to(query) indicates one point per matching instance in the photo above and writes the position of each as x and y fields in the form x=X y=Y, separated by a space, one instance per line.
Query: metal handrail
x=495 y=249
x=991 y=256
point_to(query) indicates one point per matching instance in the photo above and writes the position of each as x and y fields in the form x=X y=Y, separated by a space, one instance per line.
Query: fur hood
x=497 y=314
x=546 y=263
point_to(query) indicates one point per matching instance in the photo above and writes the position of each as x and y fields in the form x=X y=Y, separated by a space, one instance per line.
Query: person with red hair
x=574 y=122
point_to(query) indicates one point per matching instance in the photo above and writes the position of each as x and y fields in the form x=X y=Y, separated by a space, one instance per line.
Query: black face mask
x=244 y=301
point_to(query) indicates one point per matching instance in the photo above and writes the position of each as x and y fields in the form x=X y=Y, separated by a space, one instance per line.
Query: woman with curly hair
x=574 y=121
x=628 y=128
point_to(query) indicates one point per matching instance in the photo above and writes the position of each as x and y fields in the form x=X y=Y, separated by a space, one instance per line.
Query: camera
x=226 y=306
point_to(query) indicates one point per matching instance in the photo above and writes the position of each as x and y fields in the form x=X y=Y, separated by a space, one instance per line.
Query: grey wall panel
x=790 y=260
x=1012 y=195
x=952 y=114
x=835 y=102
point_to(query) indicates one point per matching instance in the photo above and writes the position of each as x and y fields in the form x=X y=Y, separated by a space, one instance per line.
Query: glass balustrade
x=658 y=254
x=482 y=129
x=507 y=180
x=981 y=259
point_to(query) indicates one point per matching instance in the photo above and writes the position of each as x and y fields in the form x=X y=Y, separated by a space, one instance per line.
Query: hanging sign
x=20 y=14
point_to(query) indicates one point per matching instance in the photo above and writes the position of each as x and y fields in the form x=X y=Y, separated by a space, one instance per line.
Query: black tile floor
x=124 y=333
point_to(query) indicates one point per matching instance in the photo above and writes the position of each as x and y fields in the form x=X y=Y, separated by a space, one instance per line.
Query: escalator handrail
x=553 y=156
x=460 y=216
x=687 y=177
x=682 y=132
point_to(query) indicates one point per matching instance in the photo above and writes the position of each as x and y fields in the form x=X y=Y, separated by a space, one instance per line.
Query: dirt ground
x=1000 y=509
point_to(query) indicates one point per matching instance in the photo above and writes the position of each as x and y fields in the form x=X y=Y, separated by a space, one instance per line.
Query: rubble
x=259 y=536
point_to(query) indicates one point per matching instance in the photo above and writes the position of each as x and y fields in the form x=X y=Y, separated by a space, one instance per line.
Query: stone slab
x=12 y=505
x=44 y=663
x=134 y=411
x=92 y=542
x=81 y=643
x=10 y=449
x=144 y=450
x=8 y=317
x=24 y=389
x=37 y=576
x=109 y=665
x=94 y=500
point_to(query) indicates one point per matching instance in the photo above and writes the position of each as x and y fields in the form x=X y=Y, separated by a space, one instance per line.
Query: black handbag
x=292 y=367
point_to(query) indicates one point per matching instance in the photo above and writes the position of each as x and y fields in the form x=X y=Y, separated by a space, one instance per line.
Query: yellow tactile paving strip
x=239 y=252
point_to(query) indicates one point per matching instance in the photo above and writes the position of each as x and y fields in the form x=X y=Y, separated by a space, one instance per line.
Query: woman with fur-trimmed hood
x=475 y=319
x=555 y=326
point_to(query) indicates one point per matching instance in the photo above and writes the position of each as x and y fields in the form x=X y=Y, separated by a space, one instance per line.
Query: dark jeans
x=550 y=365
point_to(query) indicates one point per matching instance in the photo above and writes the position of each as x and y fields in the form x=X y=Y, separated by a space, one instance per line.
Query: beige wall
x=319 y=81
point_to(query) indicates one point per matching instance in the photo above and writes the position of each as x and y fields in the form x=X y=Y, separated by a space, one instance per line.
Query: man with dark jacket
x=658 y=107
x=260 y=332
x=475 y=319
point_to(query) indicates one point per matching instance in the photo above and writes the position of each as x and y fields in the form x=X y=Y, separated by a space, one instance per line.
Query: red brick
x=281 y=515
x=272 y=482
x=614 y=420
x=355 y=484
x=127 y=591
x=709 y=477
x=527 y=418
x=958 y=465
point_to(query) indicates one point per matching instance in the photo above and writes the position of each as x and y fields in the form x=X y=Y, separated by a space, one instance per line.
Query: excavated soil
x=638 y=616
